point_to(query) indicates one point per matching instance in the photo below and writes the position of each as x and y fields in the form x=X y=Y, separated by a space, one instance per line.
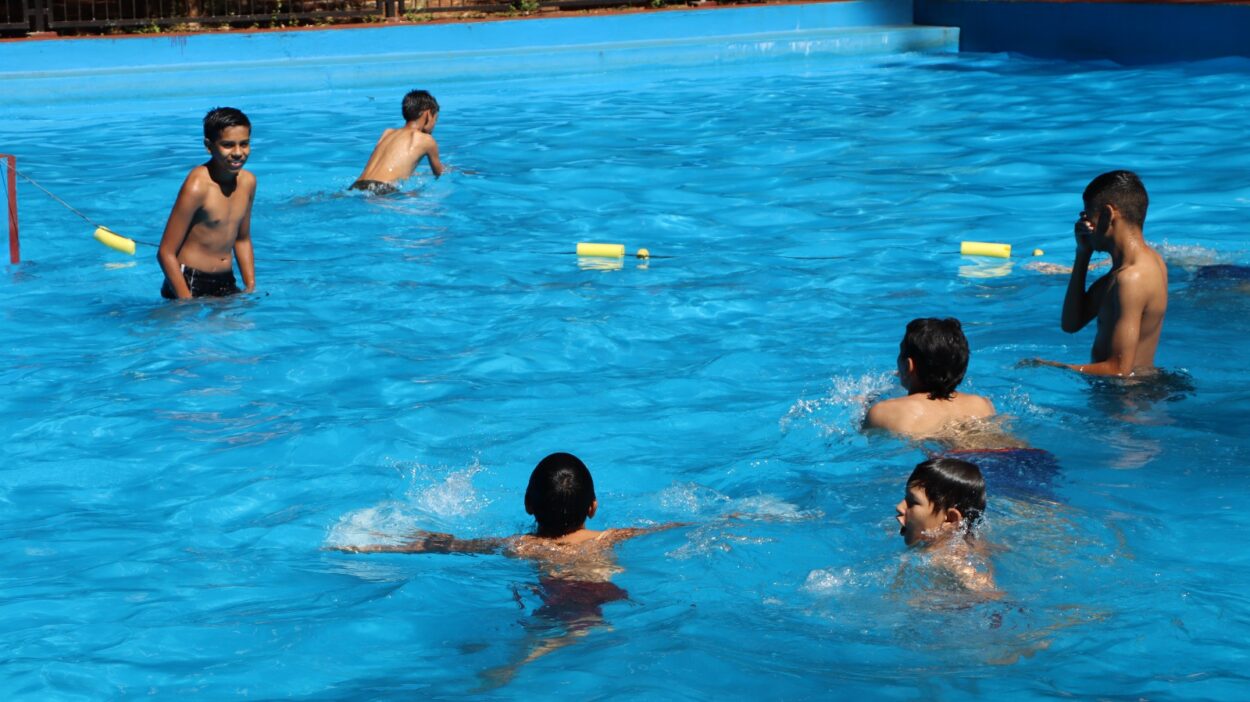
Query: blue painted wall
x=105 y=53
x=1126 y=33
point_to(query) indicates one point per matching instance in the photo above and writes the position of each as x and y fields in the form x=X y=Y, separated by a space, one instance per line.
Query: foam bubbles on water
x=841 y=411
x=454 y=496
x=1188 y=256
x=383 y=524
x=720 y=536
x=824 y=582
x=692 y=499
x=451 y=497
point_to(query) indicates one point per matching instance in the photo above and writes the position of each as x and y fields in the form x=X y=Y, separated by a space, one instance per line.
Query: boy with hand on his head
x=1131 y=299
x=932 y=360
x=398 y=151
x=940 y=511
x=211 y=222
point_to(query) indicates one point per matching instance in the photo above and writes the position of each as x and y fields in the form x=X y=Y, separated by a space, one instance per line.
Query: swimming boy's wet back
x=576 y=564
x=932 y=360
x=398 y=151
x=940 y=511
x=1131 y=299
x=211 y=222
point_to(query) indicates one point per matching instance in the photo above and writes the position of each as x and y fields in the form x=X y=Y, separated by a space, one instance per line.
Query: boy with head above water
x=398 y=151
x=211 y=222
x=932 y=360
x=576 y=564
x=940 y=510
x=1131 y=299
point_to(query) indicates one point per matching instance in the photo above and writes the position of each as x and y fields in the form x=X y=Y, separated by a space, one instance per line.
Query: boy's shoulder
x=889 y=413
x=975 y=404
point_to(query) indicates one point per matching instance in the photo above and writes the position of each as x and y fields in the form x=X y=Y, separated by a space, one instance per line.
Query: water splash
x=841 y=411
x=426 y=505
x=454 y=496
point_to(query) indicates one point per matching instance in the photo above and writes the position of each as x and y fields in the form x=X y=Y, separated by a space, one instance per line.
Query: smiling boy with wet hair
x=932 y=360
x=210 y=225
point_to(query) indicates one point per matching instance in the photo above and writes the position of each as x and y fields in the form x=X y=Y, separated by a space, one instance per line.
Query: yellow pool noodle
x=982 y=248
x=604 y=250
x=115 y=241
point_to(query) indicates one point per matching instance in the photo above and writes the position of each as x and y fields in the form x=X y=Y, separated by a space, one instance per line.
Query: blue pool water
x=173 y=473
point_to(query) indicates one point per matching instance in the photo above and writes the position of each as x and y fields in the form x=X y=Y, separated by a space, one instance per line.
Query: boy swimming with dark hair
x=940 y=511
x=932 y=361
x=576 y=564
x=210 y=225
x=398 y=151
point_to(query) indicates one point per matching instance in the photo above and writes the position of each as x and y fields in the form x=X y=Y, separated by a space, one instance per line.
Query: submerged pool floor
x=174 y=473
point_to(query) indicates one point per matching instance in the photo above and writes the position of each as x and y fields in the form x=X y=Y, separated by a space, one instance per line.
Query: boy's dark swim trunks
x=376 y=187
x=204 y=284
x=1016 y=471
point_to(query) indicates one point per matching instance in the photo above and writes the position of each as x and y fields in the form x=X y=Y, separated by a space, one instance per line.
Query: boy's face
x=917 y=518
x=231 y=148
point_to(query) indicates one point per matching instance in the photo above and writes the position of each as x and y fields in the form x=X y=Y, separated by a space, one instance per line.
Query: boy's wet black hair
x=950 y=482
x=418 y=101
x=939 y=349
x=560 y=494
x=219 y=119
x=1122 y=189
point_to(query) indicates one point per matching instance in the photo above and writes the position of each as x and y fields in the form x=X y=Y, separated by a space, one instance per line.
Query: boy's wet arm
x=190 y=199
x=1080 y=306
x=243 y=252
x=431 y=152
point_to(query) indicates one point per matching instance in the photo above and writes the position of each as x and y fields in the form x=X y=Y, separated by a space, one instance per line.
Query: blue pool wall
x=1121 y=32
x=113 y=53
x=1126 y=33
x=169 y=65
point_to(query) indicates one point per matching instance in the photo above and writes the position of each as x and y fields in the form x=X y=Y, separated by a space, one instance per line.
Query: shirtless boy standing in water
x=211 y=222
x=1131 y=299
x=398 y=151
x=575 y=564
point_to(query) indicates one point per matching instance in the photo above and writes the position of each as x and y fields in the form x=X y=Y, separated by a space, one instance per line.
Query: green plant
x=525 y=7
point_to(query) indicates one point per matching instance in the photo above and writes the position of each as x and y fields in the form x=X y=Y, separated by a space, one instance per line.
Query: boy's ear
x=528 y=508
x=911 y=366
x=953 y=516
x=594 y=507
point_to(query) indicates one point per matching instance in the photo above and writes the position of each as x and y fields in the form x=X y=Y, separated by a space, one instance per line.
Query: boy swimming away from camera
x=576 y=564
x=398 y=151
x=932 y=360
x=940 y=512
x=210 y=225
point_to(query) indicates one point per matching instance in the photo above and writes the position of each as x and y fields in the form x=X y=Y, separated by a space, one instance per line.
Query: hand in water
x=1038 y=362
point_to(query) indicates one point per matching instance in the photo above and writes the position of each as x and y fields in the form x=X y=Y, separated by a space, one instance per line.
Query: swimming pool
x=174 y=472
